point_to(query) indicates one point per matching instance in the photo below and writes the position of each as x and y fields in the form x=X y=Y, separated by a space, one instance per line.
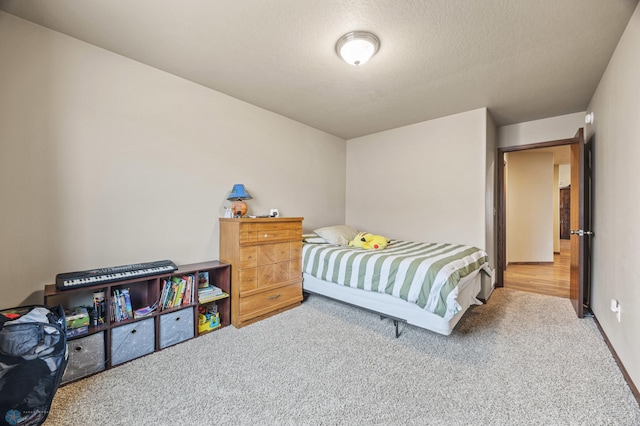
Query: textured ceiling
x=524 y=59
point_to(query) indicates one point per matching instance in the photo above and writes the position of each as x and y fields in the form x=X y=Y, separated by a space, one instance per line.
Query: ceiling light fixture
x=357 y=47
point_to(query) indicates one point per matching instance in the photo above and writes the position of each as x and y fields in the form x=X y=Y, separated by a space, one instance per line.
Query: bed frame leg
x=395 y=323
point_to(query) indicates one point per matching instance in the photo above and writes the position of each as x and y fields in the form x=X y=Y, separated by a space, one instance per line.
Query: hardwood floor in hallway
x=551 y=279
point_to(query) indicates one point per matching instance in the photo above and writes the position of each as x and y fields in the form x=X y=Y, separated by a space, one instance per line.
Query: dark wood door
x=565 y=212
x=581 y=205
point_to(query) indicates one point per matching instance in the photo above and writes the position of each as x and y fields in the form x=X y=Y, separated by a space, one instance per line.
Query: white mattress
x=397 y=308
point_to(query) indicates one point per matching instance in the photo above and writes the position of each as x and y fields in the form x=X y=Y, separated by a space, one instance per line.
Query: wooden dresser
x=266 y=265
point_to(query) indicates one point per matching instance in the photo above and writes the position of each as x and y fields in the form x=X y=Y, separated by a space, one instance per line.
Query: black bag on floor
x=33 y=356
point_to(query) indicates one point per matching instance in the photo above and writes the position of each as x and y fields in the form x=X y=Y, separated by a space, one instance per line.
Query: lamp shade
x=239 y=193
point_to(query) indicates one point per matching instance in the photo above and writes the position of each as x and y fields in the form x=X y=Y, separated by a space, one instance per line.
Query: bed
x=429 y=285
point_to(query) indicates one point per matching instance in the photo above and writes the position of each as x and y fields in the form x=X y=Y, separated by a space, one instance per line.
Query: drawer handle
x=177 y=318
x=266 y=235
x=134 y=331
x=274 y=297
x=78 y=348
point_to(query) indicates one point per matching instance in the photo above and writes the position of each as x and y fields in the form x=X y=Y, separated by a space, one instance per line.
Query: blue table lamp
x=238 y=193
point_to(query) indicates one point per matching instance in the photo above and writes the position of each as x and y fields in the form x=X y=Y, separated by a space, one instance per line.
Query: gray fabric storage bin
x=86 y=356
x=176 y=327
x=132 y=341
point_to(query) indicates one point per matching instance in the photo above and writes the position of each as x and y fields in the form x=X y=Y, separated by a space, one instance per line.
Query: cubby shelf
x=114 y=342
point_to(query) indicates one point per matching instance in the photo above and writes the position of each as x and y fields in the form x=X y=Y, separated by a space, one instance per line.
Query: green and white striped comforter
x=426 y=274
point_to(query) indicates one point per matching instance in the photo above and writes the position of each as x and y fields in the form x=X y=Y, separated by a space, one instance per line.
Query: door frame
x=501 y=249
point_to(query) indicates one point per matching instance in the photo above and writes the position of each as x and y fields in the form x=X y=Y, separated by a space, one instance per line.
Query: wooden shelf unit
x=170 y=326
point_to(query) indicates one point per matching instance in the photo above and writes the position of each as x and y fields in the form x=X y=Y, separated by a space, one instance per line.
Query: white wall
x=529 y=207
x=423 y=182
x=544 y=130
x=106 y=161
x=564 y=175
x=616 y=244
x=491 y=217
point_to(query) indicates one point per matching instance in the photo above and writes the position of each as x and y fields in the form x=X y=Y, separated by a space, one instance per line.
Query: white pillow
x=338 y=234
x=313 y=239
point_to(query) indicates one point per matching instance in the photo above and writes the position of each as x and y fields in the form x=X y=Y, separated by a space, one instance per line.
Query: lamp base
x=239 y=208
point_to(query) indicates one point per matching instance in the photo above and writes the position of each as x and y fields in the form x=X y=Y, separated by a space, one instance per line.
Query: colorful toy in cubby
x=208 y=317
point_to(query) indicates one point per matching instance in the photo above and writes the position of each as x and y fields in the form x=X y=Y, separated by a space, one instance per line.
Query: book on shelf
x=210 y=293
x=211 y=290
x=203 y=279
x=77 y=317
x=177 y=291
x=179 y=283
x=127 y=301
x=164 y=294
x=187 y=291
x=115 y=306
x=121 y=308
x=144 y=312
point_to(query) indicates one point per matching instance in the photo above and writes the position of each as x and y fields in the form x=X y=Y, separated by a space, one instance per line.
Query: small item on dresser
x=238 y=194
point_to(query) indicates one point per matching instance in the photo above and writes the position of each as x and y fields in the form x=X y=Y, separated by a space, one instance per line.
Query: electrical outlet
x=615 y=307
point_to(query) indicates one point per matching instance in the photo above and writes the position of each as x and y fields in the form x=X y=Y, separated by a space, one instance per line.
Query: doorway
x=551 y=274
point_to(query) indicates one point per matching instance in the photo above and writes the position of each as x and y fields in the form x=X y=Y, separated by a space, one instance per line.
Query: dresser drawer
x=295 y=250
x=295 y=269
x=248 y=232
x=273 y=274
x=265 y=302
x=273 y=253
x=248 y=257
x=273 y=231
x=248 y=279
x=295 y=230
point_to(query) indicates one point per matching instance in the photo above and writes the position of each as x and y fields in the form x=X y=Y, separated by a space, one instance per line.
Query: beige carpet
x=522 y=359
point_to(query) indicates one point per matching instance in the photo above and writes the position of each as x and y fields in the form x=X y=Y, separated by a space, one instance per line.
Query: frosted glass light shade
x=357 y=47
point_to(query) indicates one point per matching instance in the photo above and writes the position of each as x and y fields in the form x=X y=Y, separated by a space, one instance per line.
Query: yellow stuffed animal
x=369 y=241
